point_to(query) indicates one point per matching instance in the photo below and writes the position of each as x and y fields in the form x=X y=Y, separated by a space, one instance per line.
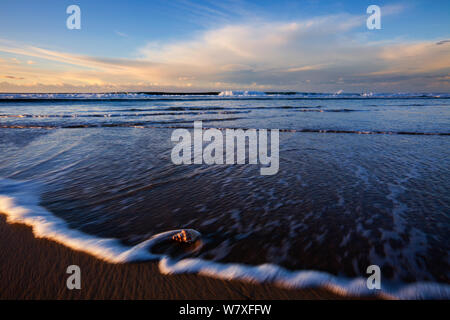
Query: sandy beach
x=33 y=268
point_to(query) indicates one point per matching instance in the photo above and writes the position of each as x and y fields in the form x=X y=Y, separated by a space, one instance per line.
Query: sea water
x=363 y=180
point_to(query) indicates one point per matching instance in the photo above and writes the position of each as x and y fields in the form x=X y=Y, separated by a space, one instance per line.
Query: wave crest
x=231 y=93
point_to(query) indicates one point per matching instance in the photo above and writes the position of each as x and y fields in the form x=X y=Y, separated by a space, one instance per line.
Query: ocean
x=363 y=180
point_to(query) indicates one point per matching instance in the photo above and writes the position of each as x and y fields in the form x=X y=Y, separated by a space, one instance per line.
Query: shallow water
x=340 y=202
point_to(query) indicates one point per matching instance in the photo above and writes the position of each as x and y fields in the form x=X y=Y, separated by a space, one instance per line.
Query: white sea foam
x=303 y=279
x=218 y=95
x=241 y=93
x=19 y=201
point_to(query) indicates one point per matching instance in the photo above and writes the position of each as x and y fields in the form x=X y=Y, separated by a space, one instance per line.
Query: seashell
x=186 y=236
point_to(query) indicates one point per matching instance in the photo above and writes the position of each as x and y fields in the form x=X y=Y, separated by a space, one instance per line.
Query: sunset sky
x=180 y=45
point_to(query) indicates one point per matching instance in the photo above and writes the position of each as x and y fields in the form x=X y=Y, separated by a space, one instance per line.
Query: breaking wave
x=198 y=96
x=241 y=93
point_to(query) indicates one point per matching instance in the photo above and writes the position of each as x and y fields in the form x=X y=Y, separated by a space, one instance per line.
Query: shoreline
x=35 y=268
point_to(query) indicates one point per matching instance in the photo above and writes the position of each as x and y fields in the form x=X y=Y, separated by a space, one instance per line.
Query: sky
x=184 y=45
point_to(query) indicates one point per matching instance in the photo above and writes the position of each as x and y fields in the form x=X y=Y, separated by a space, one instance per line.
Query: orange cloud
x=320 y=53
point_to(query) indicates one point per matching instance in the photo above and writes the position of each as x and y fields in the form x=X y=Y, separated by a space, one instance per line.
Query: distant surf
x=20 y=202
x=227 y=94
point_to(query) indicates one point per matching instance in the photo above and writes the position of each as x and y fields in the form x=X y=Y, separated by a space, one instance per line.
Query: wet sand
x=33 y=268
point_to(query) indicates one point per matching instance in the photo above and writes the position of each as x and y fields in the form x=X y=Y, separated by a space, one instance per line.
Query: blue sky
x=196 y=45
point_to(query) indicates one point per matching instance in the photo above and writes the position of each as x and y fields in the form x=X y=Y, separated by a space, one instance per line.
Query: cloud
x=325 y=53
x=415 y=58
x=121 y=34
x=252 y=44
x=320 y=51
x=442 y=42
x=14 y=78
x=235 y=67
x=307 y=68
